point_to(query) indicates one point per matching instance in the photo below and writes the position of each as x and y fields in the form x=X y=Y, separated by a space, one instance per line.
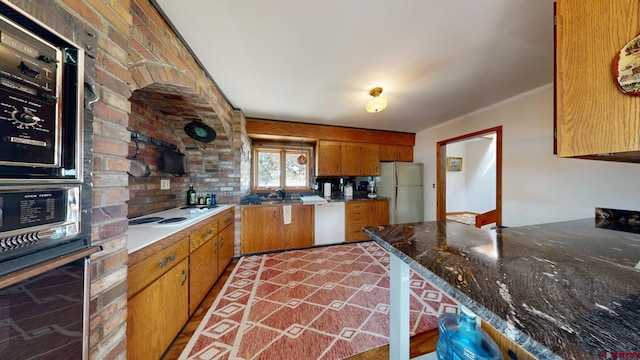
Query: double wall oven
x=44 y=245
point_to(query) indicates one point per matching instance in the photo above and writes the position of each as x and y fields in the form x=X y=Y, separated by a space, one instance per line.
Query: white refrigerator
x=402 y=183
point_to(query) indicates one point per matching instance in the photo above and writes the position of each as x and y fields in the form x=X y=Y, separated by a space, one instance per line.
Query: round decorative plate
x=200 y=131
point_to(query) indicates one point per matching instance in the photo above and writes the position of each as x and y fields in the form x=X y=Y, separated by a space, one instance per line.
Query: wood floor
x=420 y=344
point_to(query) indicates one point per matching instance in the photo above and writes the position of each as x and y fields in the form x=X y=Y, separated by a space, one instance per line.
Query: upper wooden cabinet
x=335 y=158
x=396 y=153
x=593 y=118
x=360 y=159
x=328 y=158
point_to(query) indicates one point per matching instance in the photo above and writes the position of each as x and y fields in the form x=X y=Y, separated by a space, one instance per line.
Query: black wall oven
x=41 y=98
x=43 y=308
x=42 y=185
x=45 y=316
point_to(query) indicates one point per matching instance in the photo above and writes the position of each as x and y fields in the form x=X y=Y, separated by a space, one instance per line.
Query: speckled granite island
x=562 y=290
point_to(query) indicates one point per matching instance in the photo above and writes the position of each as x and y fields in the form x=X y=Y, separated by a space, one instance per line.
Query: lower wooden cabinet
x=211 y=252
x=203 y=271
x=259 y=228
x=225 y=244
x=362 y=213
x=157 y=313
x=263 y=228
x=167 y=284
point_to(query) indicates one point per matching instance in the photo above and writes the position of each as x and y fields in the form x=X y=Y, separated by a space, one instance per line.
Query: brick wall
x=134 y=56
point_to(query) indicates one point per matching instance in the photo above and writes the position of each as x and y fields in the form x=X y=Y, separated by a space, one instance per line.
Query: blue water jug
x=460 y=339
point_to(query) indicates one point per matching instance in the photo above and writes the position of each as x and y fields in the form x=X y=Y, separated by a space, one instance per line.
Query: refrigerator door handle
x=395 y=203
x=395 y=182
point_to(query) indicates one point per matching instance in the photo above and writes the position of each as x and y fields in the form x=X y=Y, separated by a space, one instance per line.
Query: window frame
x=282 y=149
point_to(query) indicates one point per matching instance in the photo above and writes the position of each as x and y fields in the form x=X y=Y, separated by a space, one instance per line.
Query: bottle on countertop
x=191 y=196
x=207 y=200
x=461 y=339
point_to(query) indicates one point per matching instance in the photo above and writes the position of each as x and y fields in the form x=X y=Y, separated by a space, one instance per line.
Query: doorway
x=441 y=176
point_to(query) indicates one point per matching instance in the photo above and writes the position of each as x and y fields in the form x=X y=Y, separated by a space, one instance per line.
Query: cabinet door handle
x=221 y=241
x=184 y=277
x=172 y=257
x=162 y=263
x=215 y=248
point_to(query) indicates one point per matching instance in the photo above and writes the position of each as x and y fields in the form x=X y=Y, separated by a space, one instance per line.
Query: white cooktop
x=142 y=235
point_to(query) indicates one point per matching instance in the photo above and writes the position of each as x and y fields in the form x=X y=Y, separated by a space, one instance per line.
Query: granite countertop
x=561 y=290
x=297 y=200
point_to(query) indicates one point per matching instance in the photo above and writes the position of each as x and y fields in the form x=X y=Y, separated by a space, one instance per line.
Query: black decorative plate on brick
x=200 y=131
x=145 y=220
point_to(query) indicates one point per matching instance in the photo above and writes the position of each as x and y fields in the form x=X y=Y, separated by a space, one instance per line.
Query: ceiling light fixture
x=378 y=103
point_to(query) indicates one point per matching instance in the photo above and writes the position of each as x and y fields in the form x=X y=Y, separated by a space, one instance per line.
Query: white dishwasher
x=329 y=223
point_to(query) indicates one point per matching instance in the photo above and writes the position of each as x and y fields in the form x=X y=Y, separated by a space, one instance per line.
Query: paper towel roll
x=327 y=189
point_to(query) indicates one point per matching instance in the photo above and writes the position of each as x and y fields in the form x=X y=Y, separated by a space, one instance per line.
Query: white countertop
x=145 y=234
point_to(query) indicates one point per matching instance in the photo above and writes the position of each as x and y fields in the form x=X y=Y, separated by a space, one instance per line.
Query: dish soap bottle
x=460 y=339
x=191 y=196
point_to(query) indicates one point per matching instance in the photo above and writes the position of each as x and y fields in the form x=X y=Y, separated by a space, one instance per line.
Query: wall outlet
x=164 y=184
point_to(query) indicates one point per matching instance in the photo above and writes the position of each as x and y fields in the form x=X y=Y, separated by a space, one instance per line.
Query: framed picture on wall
x=454 y=164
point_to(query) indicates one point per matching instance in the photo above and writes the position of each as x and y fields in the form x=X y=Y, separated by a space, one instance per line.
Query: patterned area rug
x=320 y=303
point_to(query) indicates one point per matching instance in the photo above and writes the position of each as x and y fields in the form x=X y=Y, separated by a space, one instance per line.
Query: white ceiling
x=315 y=61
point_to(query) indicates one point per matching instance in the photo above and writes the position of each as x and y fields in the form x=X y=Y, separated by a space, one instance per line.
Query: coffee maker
x=371 y=188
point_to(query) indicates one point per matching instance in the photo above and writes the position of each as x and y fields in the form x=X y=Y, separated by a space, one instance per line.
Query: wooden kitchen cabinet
x=362 y=213
x=328 y=158
x=225 y=241
x=360 y=159
x=369 y=159
x=263 y=228
x=203 y=272
x=300 y=232
x=356 y=217
x=168 y=279
x=211 y=251
x=156 y=314
x=259 y=228
x=592 y=116
x=378 y=212
x=335 y=158
x=396 y=153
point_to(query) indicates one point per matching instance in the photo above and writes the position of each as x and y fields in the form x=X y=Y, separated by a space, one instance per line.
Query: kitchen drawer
x=147 y=271
x=356 y=206
x=357 y=212
x=203 y=235
x=354 y=232
x=225 y=219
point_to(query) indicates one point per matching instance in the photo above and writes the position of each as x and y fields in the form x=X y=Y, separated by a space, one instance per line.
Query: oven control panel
x=29 y=94
x=38 y=217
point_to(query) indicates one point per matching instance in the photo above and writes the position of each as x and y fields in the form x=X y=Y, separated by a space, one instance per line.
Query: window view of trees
x=268 y=168
x=280 y=167
x=296 y=174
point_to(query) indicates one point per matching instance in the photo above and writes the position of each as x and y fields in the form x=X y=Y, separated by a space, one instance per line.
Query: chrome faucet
x=282 y=193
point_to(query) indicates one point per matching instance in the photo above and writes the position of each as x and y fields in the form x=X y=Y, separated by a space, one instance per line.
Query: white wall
x=537 y=186
x=474 y=187
x=456 y=180
x=481 y=175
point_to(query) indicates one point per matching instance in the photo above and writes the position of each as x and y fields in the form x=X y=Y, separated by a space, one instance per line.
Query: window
x=279 y=166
